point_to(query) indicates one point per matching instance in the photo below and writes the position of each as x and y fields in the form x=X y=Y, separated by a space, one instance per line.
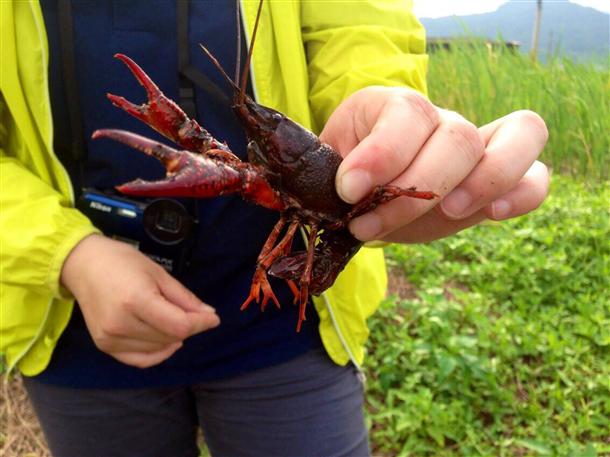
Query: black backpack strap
x=190 y=75
x=68 y=70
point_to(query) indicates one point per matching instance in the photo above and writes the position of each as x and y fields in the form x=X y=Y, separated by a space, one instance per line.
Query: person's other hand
x=396 y=136
x=135 y=311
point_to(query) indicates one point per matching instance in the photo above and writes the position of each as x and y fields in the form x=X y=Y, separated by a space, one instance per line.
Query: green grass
x=505 y=350
x=573 y=98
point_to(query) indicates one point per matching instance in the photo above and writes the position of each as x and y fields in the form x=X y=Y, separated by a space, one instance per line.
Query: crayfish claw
x=151 y=88
x=188 y=174
x=136 y=111
x=166 y=155
x=166 y=117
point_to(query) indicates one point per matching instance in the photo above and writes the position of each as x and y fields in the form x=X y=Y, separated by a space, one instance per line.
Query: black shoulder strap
x=68 y=70
x=188 y=74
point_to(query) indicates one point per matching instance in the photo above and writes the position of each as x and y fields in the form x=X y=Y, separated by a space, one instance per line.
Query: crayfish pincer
x=289 y=170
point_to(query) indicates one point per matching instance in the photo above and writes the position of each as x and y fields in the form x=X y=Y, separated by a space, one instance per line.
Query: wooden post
x=536 y=33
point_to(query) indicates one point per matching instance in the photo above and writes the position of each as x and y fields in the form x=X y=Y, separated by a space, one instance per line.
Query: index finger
x=171 y=320
x=404 y=123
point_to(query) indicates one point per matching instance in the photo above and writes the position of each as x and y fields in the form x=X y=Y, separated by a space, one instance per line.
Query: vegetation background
x=494 y=342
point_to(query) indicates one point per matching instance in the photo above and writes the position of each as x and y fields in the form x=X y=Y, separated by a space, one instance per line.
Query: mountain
x=577 y=31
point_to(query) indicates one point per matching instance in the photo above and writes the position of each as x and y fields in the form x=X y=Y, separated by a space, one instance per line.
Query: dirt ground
x=20 y=433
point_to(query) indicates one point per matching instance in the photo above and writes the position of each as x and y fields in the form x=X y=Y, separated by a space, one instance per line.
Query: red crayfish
x=289 y=170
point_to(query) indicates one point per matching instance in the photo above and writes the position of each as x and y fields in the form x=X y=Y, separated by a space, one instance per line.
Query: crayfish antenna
x=219 y=67
x=244 y=76
x=241 y=89
x=238 y=47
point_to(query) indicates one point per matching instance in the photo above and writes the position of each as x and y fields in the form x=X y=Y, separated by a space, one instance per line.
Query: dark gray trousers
x=305 y=407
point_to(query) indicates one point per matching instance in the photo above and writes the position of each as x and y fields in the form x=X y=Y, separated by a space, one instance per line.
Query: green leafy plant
x=505 y=348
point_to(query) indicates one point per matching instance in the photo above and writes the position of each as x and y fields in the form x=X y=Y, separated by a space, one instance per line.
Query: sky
x=438 y=8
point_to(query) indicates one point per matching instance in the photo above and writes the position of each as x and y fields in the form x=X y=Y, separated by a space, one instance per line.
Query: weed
x=505 y=348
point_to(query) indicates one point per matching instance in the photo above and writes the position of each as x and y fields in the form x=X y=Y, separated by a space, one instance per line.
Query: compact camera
x=160 y=228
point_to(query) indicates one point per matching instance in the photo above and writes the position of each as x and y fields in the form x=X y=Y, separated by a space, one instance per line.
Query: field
x=502 y=346
x=494 y=342
x=483 y=84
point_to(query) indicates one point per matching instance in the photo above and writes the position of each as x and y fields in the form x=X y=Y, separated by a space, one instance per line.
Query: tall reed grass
x=483 y=83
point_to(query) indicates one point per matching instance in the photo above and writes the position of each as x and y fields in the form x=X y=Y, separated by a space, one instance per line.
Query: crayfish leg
x=260 y=282
x=306 y=276
x=295 y=290
x=267 y=256
x=384 y=194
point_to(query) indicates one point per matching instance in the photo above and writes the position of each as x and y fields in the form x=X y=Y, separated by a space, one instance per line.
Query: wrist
x=75 y=265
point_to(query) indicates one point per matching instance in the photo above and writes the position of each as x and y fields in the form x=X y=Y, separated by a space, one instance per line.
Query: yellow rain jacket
x=309 y=56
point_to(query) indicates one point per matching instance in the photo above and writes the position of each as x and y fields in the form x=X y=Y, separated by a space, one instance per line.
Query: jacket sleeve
x=38 y=227
x=354 y=44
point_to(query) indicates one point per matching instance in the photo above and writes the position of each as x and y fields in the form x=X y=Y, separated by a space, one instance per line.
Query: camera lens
x=167 y=221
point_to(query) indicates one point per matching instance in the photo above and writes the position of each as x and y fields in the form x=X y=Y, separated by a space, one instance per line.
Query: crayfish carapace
x=289 y=170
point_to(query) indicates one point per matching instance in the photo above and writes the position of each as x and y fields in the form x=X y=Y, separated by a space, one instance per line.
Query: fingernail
x=366 y=227
x=354 y=185
x=500 y=209
x=456 y=203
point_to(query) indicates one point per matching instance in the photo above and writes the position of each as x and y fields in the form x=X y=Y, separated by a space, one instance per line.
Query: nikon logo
x=101 y=207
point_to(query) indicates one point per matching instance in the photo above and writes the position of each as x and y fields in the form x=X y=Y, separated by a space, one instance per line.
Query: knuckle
x=465 y=136
x=157 y=271
x=103 y=342
x=130 y=300
x=180 y=329
x=415 y=101
x=112 y=328
x=366 y=91
x=139 y=363
x=385 y=157
x=499 y=179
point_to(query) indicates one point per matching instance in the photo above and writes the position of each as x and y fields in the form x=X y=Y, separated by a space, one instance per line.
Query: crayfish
x=289 y=170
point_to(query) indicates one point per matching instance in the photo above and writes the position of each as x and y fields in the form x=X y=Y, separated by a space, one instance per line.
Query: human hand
x=135 y=311
x=396 y=136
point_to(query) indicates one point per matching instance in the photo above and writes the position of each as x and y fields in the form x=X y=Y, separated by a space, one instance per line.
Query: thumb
x=202 y=321
x=200 y=315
